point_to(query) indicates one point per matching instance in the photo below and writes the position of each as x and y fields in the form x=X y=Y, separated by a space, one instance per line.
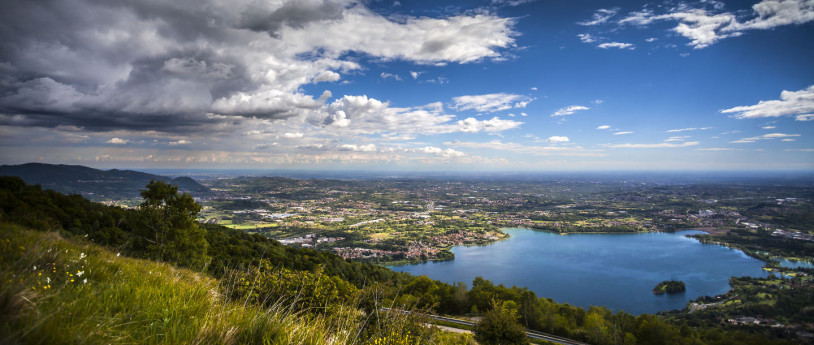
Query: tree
x=166 y=228
x=500 y=326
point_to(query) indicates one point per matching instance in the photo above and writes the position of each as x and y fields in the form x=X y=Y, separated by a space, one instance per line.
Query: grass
x=55 y=291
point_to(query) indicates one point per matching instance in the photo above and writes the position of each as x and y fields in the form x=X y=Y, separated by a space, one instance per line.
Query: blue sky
x=410 y=85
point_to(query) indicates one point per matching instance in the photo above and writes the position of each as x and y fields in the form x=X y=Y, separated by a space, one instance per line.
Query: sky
x=500 y=85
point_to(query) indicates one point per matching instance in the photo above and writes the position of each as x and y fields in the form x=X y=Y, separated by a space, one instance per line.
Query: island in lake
x=669 y=286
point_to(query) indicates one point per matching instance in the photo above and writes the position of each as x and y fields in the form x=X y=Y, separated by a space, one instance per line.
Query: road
x=529 y=333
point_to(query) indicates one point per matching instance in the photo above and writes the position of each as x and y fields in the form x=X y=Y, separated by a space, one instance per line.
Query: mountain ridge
x=95 y=184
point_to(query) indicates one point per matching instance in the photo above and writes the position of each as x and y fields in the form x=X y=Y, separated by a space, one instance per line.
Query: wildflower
x=117 y=254
x=81 y=256
x=35 y=267
x=85 y=281
x=79 y=273
x=48 y=280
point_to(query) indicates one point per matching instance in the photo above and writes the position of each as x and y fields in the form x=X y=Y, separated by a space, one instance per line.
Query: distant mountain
x=95 y=184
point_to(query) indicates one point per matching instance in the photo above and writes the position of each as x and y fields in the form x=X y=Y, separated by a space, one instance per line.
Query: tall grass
x=58 y=291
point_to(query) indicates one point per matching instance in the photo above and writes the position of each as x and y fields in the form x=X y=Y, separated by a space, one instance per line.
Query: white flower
x=35 y=267
x=85 y=281
x=80 y=273
x=81 y=256
x=117 y=254
x=48 y=280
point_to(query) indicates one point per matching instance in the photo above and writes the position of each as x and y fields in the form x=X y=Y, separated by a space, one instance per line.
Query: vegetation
x=499 y=326
x=669 y=286
x=320 y=297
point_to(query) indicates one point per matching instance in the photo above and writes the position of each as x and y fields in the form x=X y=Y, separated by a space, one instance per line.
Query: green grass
x=55 y=291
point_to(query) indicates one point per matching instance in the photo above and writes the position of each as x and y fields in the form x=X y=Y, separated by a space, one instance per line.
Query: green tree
x=500 y=326
x=166 y=228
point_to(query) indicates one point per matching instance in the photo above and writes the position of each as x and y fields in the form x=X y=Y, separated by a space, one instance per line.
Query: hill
x=94 y=184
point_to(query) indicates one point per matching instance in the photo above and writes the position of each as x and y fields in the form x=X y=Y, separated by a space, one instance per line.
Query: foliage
x=165 y=228
x=300 y=290
x=499 y=326
x=669 y=286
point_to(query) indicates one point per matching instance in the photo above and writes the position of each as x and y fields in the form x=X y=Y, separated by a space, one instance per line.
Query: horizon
x=431 y=87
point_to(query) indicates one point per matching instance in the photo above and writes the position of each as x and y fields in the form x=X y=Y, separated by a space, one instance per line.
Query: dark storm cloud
x=104 y=65
x=295 y=14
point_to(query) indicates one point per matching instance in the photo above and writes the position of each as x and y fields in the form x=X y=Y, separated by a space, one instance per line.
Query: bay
x=617 y=271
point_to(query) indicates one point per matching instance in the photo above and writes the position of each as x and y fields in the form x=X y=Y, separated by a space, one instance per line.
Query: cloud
x=361 y=115
x=557 y=139
x=489 y=103
x=587 y=38
x=622 y=133
x=768 y=127
x=652 y=146
x=681 y=130
x=357 y=148
x=569 y=110
x=495 y=124
x=289 y=135
x=600 y=16
x=719 y=149
x=180 y=142
x=415 y=74
x=677 y=138
x=447 y=153
x=768 y=136
x=390 y=75
x=118 y=141
x=526 y=149
x=804 y=117
x=603 y=127
x=708 y=24
x=618 y=45
x=791 y=103
x=210 y=64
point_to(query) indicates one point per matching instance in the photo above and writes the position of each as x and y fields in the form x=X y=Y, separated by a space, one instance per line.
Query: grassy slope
x=56 y=291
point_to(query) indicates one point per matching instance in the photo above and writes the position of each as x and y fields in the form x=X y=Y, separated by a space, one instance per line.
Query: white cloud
x=180 y=142
x=495 y=124
x=520 y=148
x=117 y=141
x=326 y=76
x=586 y=38
x=681 y=130
x=603 y=127
x=791 y=103
x=490 y=103
x=651 y=39
x=622 y=133
x=357 y=148
x=295 y=135
x=768 y=127
x=558 y=139
x=569 y=110
x=447 y=153
x=600 y=16
x=719 y=149
x=705 y=27
x=415 y=74
x=652 y=146
x=390 y=75
x=677 y=138
x=804 y=117
x=763 y=137
x=619 y=45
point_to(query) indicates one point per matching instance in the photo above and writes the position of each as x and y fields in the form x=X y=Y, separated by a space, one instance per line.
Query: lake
x=617 y=271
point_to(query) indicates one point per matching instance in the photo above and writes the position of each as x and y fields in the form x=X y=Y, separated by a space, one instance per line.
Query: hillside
x=250 y=290
x=94 y=184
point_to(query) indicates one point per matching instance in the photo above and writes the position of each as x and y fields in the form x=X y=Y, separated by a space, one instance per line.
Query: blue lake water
x=617 y=271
